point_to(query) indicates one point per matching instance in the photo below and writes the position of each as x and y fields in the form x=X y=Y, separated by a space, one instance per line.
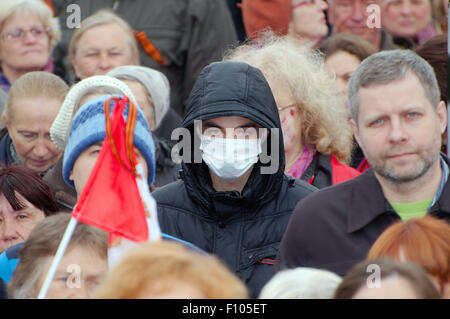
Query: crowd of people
x=292 y=148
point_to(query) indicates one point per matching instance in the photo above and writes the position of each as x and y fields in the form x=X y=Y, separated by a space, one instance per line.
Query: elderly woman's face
x=80 y=271
x=101 y=49
x=24 y=43
x=407 y=18
x=28 y=125
x=16 y=226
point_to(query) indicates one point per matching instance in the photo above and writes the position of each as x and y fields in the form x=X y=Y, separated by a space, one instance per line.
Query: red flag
x=110 y=200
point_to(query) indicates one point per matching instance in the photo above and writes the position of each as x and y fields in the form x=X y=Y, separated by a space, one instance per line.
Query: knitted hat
x=59 y=130
x=261 y=14
x=153 y=81
x=88 y=127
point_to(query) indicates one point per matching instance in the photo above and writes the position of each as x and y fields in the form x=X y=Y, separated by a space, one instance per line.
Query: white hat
x=60 y=128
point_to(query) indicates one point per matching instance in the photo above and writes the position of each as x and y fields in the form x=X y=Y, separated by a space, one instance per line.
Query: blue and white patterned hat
x=88 y=128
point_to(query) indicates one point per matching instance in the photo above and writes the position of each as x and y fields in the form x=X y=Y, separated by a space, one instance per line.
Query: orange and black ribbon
x=148 y=47
x=129 y=130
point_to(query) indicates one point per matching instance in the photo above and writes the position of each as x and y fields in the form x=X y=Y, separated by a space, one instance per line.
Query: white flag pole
x=58 y=256
x=154 y=231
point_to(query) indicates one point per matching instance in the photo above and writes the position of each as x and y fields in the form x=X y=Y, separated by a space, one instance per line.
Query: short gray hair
x=388 y=66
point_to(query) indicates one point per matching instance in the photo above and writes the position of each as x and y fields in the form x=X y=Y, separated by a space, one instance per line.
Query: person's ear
x=4 y=118
x=152 y=121
x=442 y=115
x=71 y=176
x=74 y=64
x=355 y=129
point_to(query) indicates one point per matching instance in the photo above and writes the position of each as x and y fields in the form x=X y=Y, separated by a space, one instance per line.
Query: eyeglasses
x=19 y=33
x=286 y=107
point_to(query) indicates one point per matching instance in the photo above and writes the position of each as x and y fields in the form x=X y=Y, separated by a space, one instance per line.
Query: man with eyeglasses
x=361 y=18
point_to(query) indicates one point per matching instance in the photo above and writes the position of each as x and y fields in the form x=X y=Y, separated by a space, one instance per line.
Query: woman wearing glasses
x=28 y=32
x=316 y=133
x=304 y=19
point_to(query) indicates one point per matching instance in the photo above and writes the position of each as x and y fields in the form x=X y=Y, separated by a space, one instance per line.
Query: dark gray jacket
x=243 y=229
x=188 y=33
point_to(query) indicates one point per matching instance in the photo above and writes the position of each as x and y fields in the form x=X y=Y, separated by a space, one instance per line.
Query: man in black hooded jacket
x=233 y=199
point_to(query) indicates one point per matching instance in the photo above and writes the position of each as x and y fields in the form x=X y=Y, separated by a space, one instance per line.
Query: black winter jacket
x=243 y=229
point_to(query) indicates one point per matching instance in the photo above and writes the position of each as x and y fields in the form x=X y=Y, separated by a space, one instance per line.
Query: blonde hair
x=36 y=7
x=103 y=17
x=41 y=246
x=439 y=16
x=36 y=84
x=159 y=266
x=287 y=60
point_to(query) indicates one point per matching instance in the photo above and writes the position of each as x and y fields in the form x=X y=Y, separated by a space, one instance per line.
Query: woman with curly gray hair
x=317 y=135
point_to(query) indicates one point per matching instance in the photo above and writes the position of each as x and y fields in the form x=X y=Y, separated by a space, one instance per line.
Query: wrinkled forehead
x=35 y=109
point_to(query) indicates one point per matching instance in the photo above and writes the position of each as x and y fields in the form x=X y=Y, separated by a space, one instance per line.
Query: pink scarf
x=49 y=67
x=301 y=164
x=425 y=34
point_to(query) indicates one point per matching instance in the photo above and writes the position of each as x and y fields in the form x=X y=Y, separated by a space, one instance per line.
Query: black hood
x=234 y=89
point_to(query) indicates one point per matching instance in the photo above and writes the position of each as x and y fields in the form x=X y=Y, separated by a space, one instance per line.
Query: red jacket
x=326 y=170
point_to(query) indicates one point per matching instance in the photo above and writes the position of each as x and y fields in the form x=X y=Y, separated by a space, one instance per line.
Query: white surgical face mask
x=229 y=159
